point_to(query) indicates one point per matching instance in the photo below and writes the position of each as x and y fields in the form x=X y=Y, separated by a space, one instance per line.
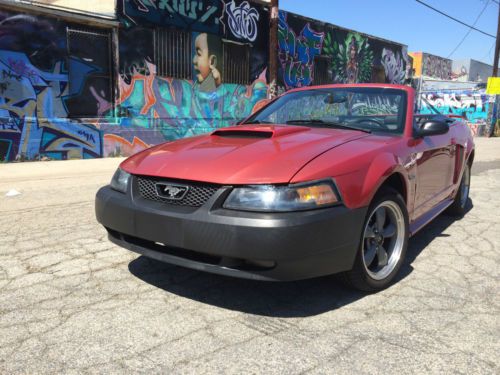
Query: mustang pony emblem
x=168 y=191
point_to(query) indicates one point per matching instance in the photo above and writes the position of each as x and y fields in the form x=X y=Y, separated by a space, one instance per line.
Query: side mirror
x=432 y=127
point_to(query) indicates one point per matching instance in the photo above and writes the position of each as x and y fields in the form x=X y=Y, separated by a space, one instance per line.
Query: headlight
x=119 y=182
x=283 y=198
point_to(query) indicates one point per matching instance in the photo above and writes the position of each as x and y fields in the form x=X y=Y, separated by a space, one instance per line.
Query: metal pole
x=273 y=49
x=492 y=120
x=497 y=47
x=115 y=69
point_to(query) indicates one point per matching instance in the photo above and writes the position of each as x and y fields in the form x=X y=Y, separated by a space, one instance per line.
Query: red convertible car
x=322 y=180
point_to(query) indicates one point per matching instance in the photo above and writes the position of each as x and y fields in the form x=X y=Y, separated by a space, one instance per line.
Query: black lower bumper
x=262 y=246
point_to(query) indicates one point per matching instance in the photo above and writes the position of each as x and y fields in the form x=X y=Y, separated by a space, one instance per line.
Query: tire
x=459 y=204
x=387 y=230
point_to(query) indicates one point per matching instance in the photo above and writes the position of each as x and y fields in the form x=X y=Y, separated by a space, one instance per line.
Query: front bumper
x=261 y=246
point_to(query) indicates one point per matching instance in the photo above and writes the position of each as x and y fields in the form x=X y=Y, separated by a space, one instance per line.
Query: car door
x=434 y=156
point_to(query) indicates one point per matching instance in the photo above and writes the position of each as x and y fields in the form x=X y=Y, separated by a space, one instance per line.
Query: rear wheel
x=457 y=208
x=383 y=243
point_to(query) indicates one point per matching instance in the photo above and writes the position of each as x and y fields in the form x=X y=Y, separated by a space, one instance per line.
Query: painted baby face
x=202 y=59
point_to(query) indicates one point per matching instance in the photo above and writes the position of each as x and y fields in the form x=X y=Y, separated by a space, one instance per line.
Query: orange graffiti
x=114 y=145
x=149 y=96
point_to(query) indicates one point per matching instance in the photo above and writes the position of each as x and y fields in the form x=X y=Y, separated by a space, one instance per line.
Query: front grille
x=196 y=196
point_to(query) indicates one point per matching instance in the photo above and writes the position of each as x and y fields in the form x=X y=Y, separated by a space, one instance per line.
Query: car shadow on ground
x=290 y=299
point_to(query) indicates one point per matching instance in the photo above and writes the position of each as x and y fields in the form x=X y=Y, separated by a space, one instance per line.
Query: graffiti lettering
x=195 y=14
x=115 y=145
x=178 y=108
x=472 y=106
x=394 y=66
x=187 y=8
x=3 y=87
x=9 y=125
x=242 y=20
x=296 y=53
x=34 y=116
x=436 y=67
x=86 y=135
x=20 y=68
x=8 y=74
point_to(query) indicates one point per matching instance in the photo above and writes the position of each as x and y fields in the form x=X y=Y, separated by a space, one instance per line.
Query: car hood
x=250 y=154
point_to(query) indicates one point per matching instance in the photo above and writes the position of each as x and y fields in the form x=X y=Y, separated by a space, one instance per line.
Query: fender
x=358 y=177
x=379 y=171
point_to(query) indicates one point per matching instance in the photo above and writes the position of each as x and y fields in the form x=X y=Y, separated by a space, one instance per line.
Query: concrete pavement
x=72 y=302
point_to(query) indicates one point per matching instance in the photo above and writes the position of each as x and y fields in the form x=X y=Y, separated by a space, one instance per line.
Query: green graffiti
x=352 y=60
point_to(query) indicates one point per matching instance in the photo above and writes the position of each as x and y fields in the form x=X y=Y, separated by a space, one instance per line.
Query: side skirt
x=424 y=219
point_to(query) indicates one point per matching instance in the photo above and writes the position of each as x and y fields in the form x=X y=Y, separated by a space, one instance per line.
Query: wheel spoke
x=369 y=232
x=389 y=231
x=380 y=214
x=369 y=255
x=382 y=256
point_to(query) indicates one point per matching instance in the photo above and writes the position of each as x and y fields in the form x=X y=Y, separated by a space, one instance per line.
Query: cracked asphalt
x=72 y=302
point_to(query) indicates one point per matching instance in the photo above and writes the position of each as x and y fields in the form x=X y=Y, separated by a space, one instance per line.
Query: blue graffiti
x=471 y=105
x=297 y=53
x=195 y=15
x=33 y=112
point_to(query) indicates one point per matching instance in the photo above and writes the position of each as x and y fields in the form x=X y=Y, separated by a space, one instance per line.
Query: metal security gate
x=173 y=53
x=90 y=71
x=236 y=63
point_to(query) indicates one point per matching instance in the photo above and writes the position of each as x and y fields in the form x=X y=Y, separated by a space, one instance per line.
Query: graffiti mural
x=460 y=74
x=62 y=97
x=195 y=15
x=436 y=67
x=33 y=113
x=207 y=61
x=346 y=56
x=177 y=108
x=246 y=22
x=154 y=107
x=394 y=66
x=242 y=20
x=297 y=53
x=352 y=60
x=35 y=88
x=471 y=105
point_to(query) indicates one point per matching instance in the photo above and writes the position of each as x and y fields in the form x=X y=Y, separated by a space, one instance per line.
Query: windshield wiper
x=326 y=124
x=311 y=121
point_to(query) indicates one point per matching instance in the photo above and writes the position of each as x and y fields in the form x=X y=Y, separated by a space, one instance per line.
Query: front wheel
x=383 y=244
x=458 y=207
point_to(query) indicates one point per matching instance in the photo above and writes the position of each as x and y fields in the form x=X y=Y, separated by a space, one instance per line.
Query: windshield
x=361 y=108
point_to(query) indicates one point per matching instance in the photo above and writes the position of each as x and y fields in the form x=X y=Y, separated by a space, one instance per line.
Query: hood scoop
x=258 y=131
x=244 y=133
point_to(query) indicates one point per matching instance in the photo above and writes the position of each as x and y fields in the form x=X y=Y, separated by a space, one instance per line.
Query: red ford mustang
x=322 y=180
